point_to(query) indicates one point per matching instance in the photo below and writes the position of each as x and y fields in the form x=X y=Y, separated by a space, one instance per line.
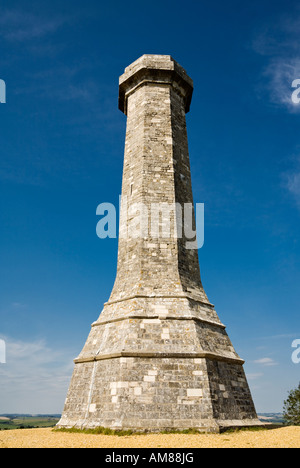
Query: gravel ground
x=286 y=437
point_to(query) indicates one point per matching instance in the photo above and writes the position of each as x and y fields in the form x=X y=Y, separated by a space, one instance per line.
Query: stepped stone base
x=153 y=364
x=155 y=394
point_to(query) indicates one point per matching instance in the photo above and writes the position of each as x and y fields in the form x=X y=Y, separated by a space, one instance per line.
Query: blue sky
x=62 y=144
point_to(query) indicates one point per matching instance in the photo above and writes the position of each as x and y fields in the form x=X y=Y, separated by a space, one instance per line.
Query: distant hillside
x=27 y=421
x=276 y=418
x=20 y=421
x=28 y=415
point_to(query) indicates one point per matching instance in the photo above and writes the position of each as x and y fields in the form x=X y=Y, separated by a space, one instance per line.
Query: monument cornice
x=153 y=354
x=160 y=317
x=147 y=71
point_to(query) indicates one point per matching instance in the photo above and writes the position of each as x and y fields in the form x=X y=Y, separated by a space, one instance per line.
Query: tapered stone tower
x=158 y=357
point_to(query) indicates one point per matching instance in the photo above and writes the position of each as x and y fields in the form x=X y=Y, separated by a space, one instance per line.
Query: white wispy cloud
x=293 y=185
x=279 y=37
x=18 y=305
x=281 y=72
x=266 y=361
x=291 y=180
x=62 y=83
x=19 y=26
x=254 y=376
x=35 y=377
x=279 y=44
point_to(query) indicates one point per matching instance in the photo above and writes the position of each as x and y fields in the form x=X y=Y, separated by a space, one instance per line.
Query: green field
x=27 y=421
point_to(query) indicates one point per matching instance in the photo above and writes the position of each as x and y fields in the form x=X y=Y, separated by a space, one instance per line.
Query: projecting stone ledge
x=159 y=69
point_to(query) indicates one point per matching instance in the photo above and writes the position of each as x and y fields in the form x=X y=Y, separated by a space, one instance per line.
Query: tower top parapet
x=160 y=69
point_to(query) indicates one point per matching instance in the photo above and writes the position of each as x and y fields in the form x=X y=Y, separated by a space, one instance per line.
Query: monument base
x=153 y=394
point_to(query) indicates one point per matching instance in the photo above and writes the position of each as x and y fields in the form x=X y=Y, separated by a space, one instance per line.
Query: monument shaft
x=158 y=357
x=156 y=171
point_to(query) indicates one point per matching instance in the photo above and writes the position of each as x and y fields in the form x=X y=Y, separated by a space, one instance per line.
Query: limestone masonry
x=158 y=357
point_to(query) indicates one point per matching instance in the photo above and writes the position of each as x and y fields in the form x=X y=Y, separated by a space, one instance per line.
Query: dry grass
x=285 y=437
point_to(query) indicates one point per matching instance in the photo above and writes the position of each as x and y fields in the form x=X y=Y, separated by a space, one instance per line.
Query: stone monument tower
x=158 y=357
